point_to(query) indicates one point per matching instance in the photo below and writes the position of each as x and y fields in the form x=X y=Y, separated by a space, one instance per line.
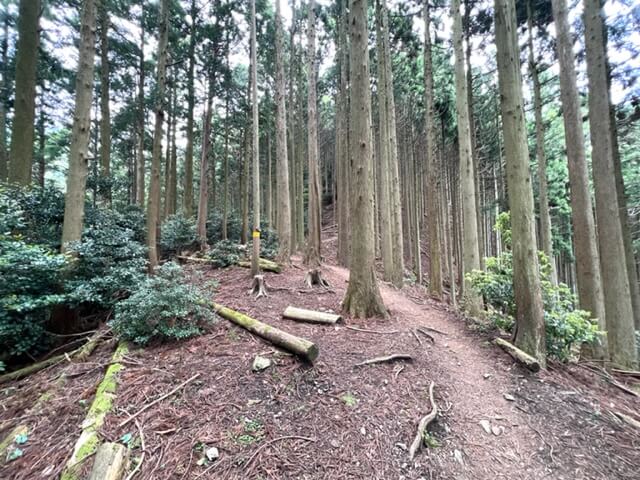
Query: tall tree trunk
x=4 y=157
x=342 y=139
x=312 y=256
x=244 y=184
x=187 y=193
x=543 y=200
x=292 y=133
x=78 y=152
x=255 y=257
x=300 y=156
x=529 y=331
x=470 y=260
x=105 y=114
x=590 y=293
x=433 y=179
x=396 y=212
x=282 y=161
x=201 y=229
x=153 y=202
x=171 y=118
x=362 y=298
x=21 y=156
x=225 y=200
x=269 y=211
x=42 y=141
x=140 y=164
x=173 y=175
x=617 y=295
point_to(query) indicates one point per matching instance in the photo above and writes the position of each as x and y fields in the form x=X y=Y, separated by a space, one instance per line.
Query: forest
x=281 y=239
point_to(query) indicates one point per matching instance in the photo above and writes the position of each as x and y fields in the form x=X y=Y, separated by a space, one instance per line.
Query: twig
x=397 y=372
x=146 y=407
x=423 y=424
x=392 y=332
x=388 y=358
x=431 y=329
x=270 y=442
x=139 y=465
x=544 y=440
x=416 y=336
x=429 y=336
x=630 y=373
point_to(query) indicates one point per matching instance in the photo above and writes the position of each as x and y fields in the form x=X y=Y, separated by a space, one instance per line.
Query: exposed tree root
x=423 y=424
x=378 y=332
x=387 y=358
x=314 y=277
x=258 y=287
x=429 y=336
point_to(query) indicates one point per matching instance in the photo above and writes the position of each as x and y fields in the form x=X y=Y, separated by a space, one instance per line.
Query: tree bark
x=342 y=139
x=617 y=295
x=471 y=259
x=21 y=156
x=362 y=298
x=201 y=224
x=590 y=293
x=187 y=194
x=78 y=154
x=153 y=202
x=529 y=331
x=311 y=316
x=105 y=113
x=255 y=257
x=140 y=164
x=4 y=156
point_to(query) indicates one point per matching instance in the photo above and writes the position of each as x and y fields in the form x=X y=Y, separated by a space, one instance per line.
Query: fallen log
x=185 y=258
x=264 y=264
x=520 y=356
x=301 y=347
x=111 y=460
x=423 y=424
x=88 y=442
x=311 y=316
x=81 y=353
x=388 y=358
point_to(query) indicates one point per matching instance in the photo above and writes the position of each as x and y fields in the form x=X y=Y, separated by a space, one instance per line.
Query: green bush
x=32 y=278
x=225 y=253
x=269 y=244
x=214 y=227
x=565 y=325
x=178 y=233
x=164 y=307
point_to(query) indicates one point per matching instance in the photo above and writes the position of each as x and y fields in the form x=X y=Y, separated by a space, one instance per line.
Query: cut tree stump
x=519 y=355
x=258 y=287
x=81 y=354
x=311 y=316
x=89 y=440
x=314 y=277
x=264 y=264
x=299 y=346
x=111 y=460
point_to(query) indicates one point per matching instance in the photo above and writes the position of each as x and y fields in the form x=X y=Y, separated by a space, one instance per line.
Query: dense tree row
x=416 y=156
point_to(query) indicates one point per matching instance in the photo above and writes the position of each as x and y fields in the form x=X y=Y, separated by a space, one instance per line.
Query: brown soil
x=333 y=420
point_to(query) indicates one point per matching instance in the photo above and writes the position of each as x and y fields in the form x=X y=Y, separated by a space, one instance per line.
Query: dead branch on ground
x=423 y=424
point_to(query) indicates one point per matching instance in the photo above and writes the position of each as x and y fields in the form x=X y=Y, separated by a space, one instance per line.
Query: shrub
x=164 y=307
x=178 y=233
x=214 y=227
x=225 y=253
x=31 y=285
x=565 y=325
x=269 y=244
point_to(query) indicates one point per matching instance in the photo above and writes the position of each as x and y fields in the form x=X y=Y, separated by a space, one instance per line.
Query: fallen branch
x=271 y=442
x=522 y=357
x=157 y=400
x=392 y=332
x=88 y=442
x=431 y=329
x=629 y=373
x=627 y=419
x=429 y=336
x=311 y=316
x=387 y=358
x=81 y=354
x=423 y=424
x=264 y=264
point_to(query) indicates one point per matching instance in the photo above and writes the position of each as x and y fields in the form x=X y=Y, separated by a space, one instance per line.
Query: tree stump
x=258 y=287
x=314 y=277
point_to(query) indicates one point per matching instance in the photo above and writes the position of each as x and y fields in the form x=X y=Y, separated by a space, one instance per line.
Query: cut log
x=388 y=358
x=89 y=441
x=311 y=316
x=520 y=356
x=110 y=462
x=81 y=354
x=264 y=264
x=423 y=424
x=299 y=346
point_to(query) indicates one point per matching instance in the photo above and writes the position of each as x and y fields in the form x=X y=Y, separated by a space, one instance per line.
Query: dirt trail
x=333 y=420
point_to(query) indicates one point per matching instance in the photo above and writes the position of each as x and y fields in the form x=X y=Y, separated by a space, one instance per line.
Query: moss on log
x=311 y=316
x=89 y=441
x=299 y=346
x=266 y=265
x=519 y=355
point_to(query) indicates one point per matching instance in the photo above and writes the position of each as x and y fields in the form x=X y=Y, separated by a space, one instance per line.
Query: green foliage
x=214 y=227
x=565 y=325
x=269 y=243
x=225 y=253
x=349 y=399
x=30 y=287
x=164 y=307
x=178 y=233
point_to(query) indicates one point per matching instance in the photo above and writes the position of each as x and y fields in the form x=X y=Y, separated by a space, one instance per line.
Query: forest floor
x=333 y=420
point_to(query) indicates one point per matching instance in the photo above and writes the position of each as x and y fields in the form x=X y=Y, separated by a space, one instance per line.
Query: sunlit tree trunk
x=529 y=332
x=153 y=202
x=21 y=151
x=78 y=151
x=617 y=295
